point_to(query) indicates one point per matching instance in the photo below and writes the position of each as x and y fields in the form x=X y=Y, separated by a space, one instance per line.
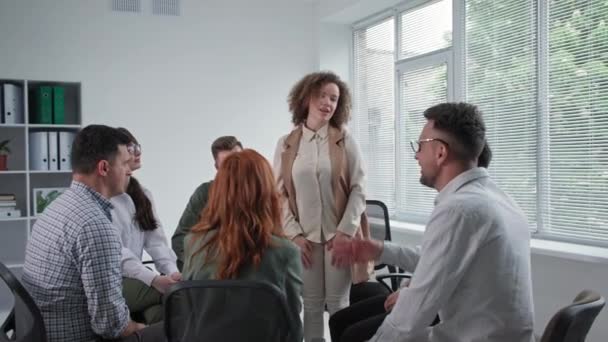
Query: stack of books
x=8 y=206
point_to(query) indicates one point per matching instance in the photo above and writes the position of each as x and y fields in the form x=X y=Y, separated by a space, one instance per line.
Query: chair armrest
x=392 y=276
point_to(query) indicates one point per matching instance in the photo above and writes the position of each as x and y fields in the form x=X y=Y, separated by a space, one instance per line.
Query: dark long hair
x=144 y=215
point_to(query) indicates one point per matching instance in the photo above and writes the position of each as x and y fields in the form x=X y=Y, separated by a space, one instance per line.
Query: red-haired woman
x=239 y=235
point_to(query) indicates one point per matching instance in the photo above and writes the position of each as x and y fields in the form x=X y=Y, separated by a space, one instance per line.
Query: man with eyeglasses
x=134 y=149
x=473 y=267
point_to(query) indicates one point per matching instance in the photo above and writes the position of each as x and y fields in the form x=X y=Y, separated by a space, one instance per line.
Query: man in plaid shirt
x=72 y=263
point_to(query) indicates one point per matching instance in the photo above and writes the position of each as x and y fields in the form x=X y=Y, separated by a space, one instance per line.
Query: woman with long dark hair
x=136 y=221
x=239 y=235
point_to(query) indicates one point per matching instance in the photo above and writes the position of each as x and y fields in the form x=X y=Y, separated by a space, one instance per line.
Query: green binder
x=43 y=113
x=58 y=105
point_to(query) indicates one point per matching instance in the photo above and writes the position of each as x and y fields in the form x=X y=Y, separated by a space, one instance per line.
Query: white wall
x=222 y=67
x=335 y=49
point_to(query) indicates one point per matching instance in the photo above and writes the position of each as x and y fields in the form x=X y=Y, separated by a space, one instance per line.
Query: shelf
x=21 y=218
x=53 y=126
x=50 y=172
x=13 y=172
x=24 y=178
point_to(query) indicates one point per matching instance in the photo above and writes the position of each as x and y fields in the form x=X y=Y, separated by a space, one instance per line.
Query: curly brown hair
x=310 y=85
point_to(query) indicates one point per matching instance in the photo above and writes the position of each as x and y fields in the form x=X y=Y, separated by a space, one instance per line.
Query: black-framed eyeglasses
x=416 y=144
x=134 y=149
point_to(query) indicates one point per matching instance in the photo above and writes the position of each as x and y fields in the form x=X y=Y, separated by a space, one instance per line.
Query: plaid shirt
x=72 y=268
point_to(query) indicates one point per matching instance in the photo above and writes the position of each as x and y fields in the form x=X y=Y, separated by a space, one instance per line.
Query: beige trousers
x=323 y=285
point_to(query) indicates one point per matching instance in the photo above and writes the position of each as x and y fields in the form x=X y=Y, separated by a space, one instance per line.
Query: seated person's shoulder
x=86 y=213
x=202 y=190
x=469 y=205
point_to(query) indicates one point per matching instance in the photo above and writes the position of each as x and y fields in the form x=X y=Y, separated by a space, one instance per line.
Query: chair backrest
x=226 y=310
x=572 y=323
x=25 y=322
x=379 y=221
x=380 y=229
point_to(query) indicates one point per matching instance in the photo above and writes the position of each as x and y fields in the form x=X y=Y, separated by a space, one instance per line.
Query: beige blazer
x=340 y=185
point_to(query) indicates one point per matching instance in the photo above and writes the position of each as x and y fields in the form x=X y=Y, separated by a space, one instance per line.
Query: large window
x=576 y=168
x=538 y=69
x=374 y=108
x=501 y=54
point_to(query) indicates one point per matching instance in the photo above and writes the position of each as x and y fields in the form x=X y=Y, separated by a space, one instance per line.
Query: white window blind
x=419 y=89
x=577 y=166
x=501 y=78
x=425 y=40
x=426 y=29
x=374 y=107
x=538 y=70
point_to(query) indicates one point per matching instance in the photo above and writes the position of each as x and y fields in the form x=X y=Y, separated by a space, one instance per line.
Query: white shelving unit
x=19 y=179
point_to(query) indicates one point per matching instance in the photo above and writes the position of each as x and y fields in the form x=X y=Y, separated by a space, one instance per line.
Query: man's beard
x=427 y=181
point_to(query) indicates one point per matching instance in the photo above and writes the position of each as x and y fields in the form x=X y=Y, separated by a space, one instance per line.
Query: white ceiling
x=350 y=11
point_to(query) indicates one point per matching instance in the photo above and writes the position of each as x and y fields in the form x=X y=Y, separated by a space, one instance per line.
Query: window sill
x=557 y=249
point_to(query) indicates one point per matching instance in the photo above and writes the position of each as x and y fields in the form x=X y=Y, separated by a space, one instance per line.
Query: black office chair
x=572 y=323
x=380 y=229
x=228 y=311
x=24 y=323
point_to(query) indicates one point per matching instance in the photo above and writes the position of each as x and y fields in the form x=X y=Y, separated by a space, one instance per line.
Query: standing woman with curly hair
x=321 y=178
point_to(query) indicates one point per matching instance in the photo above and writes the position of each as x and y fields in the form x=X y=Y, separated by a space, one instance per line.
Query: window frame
x=455 y=59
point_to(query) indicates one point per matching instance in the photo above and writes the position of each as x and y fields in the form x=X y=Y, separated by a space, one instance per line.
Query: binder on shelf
x=43 y=105
x=8 y=204
x=7 y=197
x=65 y=150
x=53 y=151
x=12 y=104
x=39 y=150
x=58 y=105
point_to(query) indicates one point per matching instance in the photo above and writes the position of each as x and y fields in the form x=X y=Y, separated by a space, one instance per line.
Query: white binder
x=65 y=150
x=39 y=151
x=10 y=213
x=53 y=151
x=12 y=104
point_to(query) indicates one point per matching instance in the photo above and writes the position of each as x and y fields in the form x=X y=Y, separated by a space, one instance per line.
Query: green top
x=280 y=266
x=189 y=218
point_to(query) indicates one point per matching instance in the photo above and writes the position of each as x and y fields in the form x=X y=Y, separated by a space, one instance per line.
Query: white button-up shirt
x=473 y=268
x=135 y=241
x=311 y=174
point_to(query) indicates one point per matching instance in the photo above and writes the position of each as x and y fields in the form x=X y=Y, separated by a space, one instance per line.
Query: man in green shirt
x=221 y=148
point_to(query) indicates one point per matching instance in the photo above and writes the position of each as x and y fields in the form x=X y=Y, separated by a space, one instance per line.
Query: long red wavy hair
x=244 y=207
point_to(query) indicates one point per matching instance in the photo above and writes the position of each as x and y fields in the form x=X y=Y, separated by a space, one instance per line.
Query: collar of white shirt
x=459 y=181
x=309 y=134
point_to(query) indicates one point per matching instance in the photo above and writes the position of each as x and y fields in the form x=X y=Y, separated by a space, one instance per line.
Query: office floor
x=4 y=314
